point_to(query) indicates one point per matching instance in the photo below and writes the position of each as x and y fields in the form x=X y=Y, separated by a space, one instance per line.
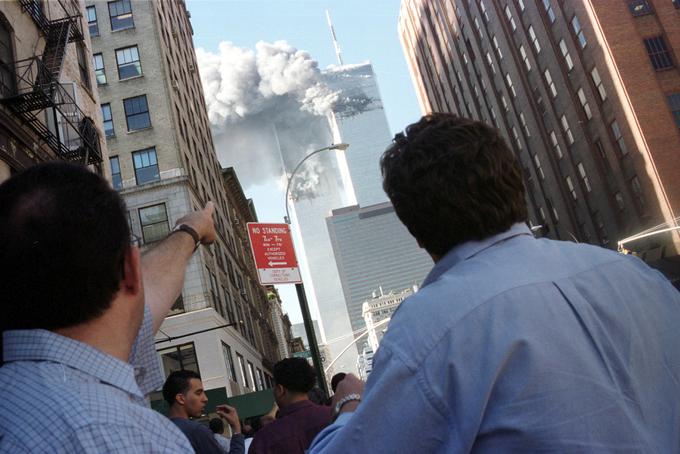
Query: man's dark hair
x=337 y=378
x=216 y=425
x=295 y=374
x=63 y=240
x=452 y=180
x=178 y=382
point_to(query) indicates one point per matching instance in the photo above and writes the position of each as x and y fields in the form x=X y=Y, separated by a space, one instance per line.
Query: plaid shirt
x=64 y=396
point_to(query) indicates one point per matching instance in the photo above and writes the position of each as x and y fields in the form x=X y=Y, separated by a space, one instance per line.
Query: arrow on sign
x=277 y=263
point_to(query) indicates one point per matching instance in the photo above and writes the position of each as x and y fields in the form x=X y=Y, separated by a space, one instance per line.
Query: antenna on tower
x=335 y=39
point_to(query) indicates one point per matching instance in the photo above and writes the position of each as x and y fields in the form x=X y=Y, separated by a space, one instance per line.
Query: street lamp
x=300 y=288
x=338 y=146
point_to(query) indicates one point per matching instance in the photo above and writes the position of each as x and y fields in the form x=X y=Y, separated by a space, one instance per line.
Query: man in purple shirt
x=299 y=419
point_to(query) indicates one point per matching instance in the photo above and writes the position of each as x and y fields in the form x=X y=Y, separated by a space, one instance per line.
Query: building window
x=618 y=197
x=146 y=166
x=567 y=130
x=511 y=19
x=128 y=63
x=179 y=357
x=601 y=231
x=251 y=375
x=565 y=54
x=584 y=103
x=115 y=173
x=99 y=71
x=515 y=136
x=584 y=176
x=497 y=47
x=523 y=121
x=520 y=3
x=572 y=190
x=556 y=145
x=550 y=82
x=618 y=138
x=479 y=28
x=511 y=87
x=229 y=361
x=92 y=21
x=578 y=31
x=154 y=220
x=539 y=168
x=553 y=211
x=260 y=379
x=108 y=120
x=120 y=13
x=549 y=11
x=504 y=102
x=639 y=7
x=637 y=192
x=82 y=66
x=242 y=365
x=525 y=57
x=489 y=60
x=482 y=7
x=595 y=75
x=137 y=113
x=534 y=39
x=7 y=75
x=674 y=103
x=658 y=53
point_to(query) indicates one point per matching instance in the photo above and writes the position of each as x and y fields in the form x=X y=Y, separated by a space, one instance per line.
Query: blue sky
x=366 y=30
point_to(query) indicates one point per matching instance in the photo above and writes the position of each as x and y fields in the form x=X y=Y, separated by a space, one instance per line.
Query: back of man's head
x=453 y=180
x=216 y=425
x=63 y=239
x=178 y=382
x=295 y=374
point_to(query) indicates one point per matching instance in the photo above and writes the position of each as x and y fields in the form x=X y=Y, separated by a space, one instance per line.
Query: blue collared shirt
x=63 y=396
x=515 y=344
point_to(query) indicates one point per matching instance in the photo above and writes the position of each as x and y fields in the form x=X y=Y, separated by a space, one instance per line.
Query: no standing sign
x=274 y=254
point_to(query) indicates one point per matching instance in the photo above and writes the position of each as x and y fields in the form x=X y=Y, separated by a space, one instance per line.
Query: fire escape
x=36 y=96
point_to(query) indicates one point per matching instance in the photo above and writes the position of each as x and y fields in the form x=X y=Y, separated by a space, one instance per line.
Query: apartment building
x=48 y=101
x=586 y=92
x=163 y=163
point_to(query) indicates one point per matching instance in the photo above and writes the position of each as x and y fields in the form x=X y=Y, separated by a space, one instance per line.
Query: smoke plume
x=268 y=110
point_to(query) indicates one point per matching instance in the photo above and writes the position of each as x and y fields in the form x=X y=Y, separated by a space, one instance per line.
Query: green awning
x=247 y=405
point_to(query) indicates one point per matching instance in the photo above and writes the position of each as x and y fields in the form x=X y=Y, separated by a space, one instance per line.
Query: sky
x=366 y=31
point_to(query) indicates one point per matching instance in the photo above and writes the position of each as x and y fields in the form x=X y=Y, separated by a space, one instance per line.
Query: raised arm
x=164 y=266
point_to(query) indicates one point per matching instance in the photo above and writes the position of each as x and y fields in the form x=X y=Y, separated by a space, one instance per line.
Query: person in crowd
x=512 y=344
x=216 y=425
x=80 y=310
x=183 y=391
x=298 y=419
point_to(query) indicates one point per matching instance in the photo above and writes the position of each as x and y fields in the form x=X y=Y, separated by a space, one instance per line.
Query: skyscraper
x=374 y=253
x=163 y=163
x=586 y=92
x=347 y=178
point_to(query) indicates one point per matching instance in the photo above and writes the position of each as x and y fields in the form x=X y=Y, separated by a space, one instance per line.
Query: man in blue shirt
x=513 y=344
x=78 y=337
x=183 y=391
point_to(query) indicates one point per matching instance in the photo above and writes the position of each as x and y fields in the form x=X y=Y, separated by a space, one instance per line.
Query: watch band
x=186 y=229
x=343 y=401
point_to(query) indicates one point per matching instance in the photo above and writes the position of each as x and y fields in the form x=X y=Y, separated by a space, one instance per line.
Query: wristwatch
x=343 y=401
x=186 y=229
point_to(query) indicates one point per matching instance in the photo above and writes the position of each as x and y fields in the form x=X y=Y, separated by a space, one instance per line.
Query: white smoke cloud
x=268 y=110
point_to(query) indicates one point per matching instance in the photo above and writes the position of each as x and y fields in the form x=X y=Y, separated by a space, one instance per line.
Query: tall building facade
x=163 y=162
x=347 y=178
x=374 y=253
x=49 y=107
x=586 y=92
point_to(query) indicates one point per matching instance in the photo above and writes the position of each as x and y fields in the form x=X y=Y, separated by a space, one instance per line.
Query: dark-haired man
x=78 y=337
x=299 y=419
x=183 y=391
x=512 y=344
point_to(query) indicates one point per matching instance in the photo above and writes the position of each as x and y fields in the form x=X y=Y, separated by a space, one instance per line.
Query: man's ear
x=132 y=279
x=179 y=399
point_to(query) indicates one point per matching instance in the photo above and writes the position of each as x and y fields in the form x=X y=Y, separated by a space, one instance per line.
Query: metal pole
x=171 y=338
x=311 y=338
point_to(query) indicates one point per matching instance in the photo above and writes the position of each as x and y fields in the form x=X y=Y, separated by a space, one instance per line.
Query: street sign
x=305 y=354
x=274 y=254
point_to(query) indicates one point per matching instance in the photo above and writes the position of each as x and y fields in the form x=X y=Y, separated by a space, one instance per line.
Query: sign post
x=276 y=263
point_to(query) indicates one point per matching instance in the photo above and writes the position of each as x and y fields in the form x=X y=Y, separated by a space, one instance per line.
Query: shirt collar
x=470 y=248
x=292 y=408
x=43 y=345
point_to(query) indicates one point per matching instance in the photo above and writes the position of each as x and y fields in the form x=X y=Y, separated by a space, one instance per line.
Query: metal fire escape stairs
x=41 y=101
